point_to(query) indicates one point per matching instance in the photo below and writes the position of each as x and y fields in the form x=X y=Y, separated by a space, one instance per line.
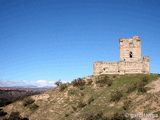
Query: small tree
x=58 y=83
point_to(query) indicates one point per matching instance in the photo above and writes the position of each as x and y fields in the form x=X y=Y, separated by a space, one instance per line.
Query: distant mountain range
x=28 y=84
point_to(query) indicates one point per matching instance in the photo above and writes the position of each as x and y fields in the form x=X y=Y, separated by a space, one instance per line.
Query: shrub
x=126 y=104
x=58 y=83
x=33 y=106
x=91 y=99
x=2 y=113
x=81 y=105
x=4 y=101
x=66 y=114
x=74 y=108
x=89 y=82
x=141 y=87
x=102 y=79
x=78 y=82
x=131 y=88
x=16 y=116
x=145 y=79
x=119 y=116
x=109 y=82
x=62 y=87
x=116 y=96
x=96 y=116
x=81 y=88
x=114 y=76
x=28 y=101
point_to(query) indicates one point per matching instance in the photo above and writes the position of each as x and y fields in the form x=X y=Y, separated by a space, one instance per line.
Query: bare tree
x=58 y=83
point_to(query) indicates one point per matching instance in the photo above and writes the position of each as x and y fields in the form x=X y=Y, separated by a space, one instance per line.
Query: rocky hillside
x=101 y=97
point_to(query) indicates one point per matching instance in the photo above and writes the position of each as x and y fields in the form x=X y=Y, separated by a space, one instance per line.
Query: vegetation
x=116 y=96
x=27 y=101
x=15 y=116
x=81 y=104
x=141 y=87
x=78 y=82
x=2 y=113
x=90 y=100
x=62 y=87
x=104 y=97
x=4 y=101
x=131 y=88
x=58 y=83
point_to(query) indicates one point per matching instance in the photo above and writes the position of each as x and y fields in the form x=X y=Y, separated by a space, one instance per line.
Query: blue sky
x=60 y=39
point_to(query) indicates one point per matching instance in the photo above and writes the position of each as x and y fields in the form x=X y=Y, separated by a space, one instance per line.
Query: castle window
x=130 y=55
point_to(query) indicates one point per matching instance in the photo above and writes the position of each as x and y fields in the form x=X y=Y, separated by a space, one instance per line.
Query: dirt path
x=155 y=86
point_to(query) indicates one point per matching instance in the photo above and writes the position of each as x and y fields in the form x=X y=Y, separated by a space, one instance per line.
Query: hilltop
x=94 y=97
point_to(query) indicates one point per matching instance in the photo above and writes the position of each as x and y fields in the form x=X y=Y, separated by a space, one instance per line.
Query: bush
x=58 y=83
x=145 y=79
x=62 y=87
x=78 y=82
x=91 y=99
x=102 y=79
x=119 y=116
x=16 y=116
x=131 y=88
x=116 y=96
x=74 y=108
x=27 y=101
x=2 y=113
x=4 y=101
x=95 y=116
x=126 y=104
x=109 y=82
x=81 y=105
x=81 y=88
x=141 y=87
x=89 y=82
x=33 y=106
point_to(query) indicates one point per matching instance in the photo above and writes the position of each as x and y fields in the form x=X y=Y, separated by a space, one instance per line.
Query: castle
x=131 y=61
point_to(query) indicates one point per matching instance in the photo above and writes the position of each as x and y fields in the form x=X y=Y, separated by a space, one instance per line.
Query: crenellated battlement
x=130 y=59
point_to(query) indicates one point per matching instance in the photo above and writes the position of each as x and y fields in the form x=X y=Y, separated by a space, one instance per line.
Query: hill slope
x=100 y=97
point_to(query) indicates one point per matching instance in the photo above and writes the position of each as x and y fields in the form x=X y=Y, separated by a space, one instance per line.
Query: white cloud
x=39 y=83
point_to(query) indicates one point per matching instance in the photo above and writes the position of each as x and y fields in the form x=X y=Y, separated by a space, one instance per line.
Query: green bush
x=62 y=87
x=74 y=108
x=109 y=82
x=141 y=87
x=116 y=96
x=102 y=79
x=89 y=82
x=33 y=106
x=78 y=82
x=131 y=88
x=96 y=116
x=16 y=116
x=81 y=105
x=119 y=116
x=28 y=101
x=126 y=104
x=90 y=100
x=145 y=79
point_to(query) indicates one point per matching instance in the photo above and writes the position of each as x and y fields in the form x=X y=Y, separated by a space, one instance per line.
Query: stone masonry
x=131 y=61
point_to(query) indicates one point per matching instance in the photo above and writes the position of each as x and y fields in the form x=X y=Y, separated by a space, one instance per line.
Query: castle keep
x=131 y=60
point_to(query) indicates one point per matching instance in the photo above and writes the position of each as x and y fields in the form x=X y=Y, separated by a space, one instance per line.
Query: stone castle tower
x=131 y=61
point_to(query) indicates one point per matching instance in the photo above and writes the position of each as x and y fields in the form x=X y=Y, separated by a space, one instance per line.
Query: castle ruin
x=131 y=61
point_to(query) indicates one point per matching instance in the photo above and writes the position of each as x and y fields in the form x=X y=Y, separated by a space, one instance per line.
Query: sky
x=50 y=40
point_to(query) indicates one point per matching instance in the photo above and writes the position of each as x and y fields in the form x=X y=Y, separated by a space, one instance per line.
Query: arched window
x=130 y=55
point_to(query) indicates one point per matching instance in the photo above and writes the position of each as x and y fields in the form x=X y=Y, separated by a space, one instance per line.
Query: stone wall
x=130 y=62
